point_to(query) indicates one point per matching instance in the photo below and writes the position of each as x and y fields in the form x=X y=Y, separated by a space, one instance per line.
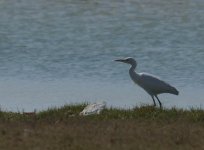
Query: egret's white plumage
x=150 y=83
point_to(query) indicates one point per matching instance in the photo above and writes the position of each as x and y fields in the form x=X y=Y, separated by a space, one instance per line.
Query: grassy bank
x=139 y=128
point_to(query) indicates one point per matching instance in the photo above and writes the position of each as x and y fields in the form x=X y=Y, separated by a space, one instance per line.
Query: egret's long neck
x=134 y=75
x=133 y=66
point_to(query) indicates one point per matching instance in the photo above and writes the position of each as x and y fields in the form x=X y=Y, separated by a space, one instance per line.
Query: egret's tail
x=174 y=91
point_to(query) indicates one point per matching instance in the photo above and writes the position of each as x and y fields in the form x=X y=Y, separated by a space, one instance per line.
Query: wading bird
x=151 y=84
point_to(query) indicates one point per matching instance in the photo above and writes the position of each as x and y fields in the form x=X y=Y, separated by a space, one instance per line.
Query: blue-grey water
x=56 y=52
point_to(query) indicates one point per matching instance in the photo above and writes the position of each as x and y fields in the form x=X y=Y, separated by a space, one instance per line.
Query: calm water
x=54 y=52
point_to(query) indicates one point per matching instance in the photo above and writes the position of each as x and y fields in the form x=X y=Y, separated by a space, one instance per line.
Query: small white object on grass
x=94 y=108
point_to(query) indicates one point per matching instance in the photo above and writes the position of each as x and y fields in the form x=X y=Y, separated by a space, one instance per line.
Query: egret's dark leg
x=153 y=100
x=160 y=104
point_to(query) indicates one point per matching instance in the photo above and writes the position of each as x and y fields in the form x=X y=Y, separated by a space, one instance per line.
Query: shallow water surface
x=57 y=52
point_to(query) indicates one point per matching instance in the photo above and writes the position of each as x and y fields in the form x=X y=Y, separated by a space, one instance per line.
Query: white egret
x=151 y=84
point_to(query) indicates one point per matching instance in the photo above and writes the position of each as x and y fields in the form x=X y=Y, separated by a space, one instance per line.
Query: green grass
x=144 y=127
x=72 y=111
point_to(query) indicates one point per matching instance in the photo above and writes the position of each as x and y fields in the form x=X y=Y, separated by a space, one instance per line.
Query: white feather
x=94 y=108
